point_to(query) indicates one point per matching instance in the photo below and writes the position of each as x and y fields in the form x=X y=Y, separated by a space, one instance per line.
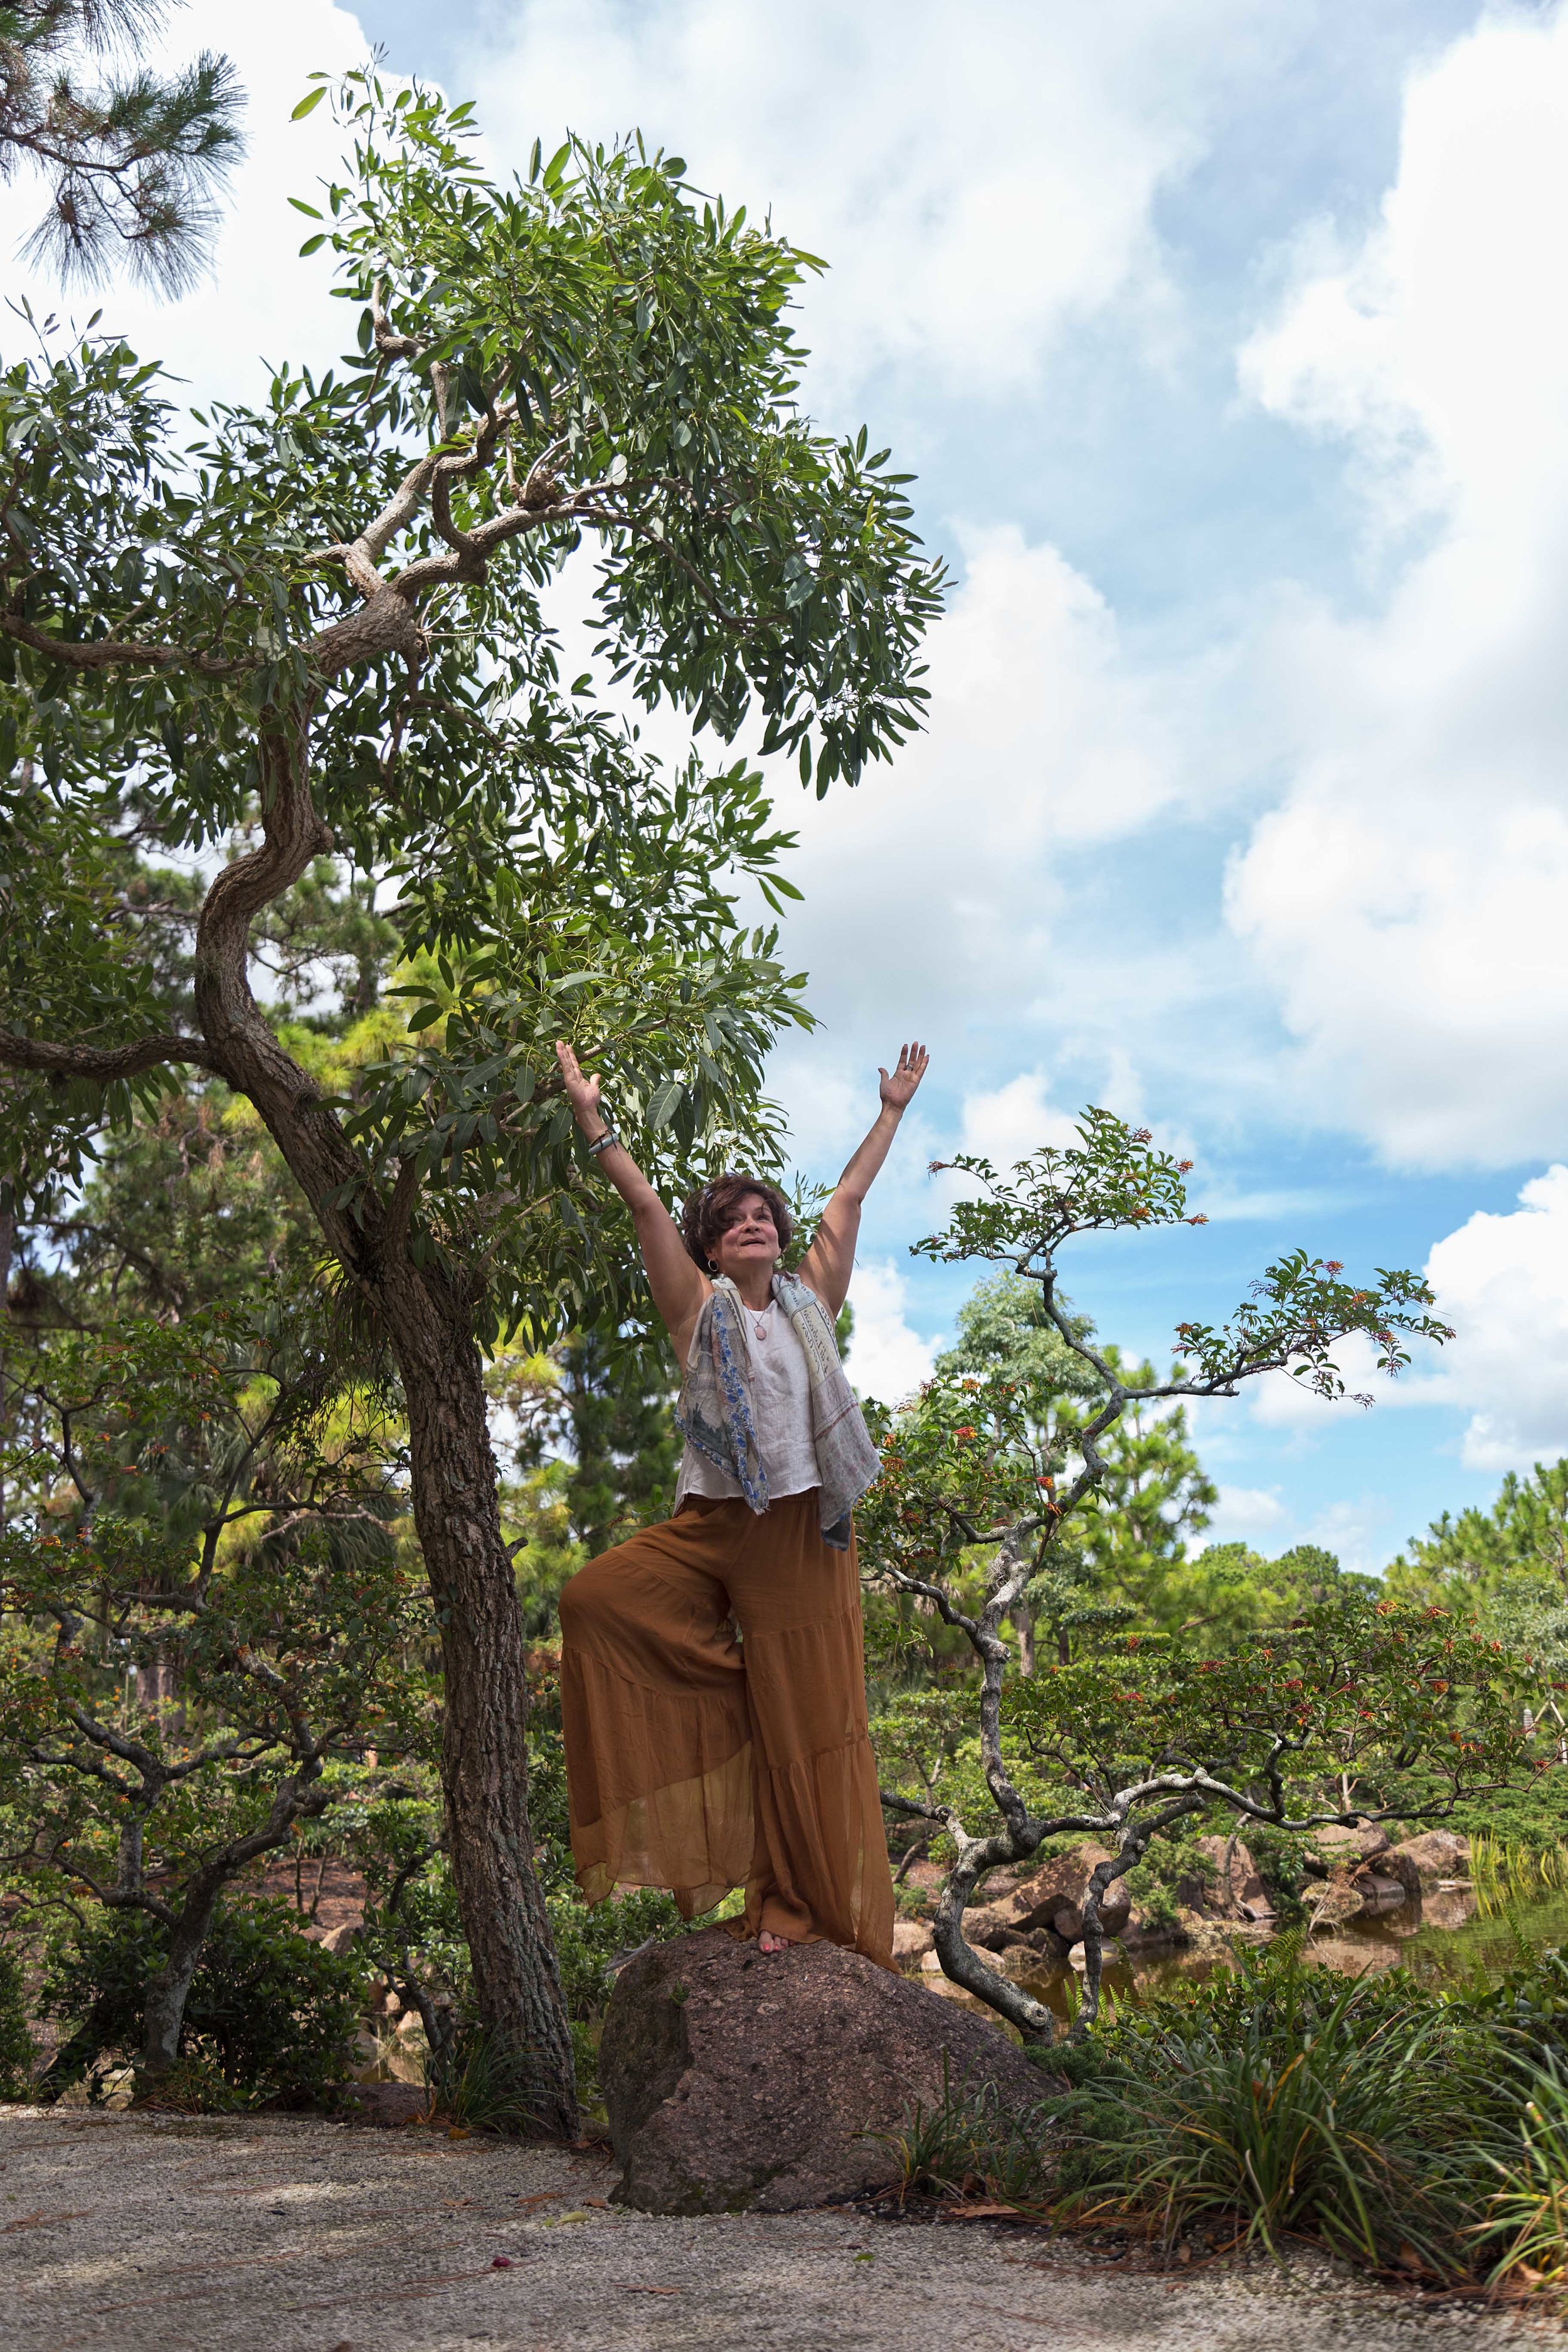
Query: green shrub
x=1280 y=2100
x=479 y=2084
x=1278 y=1855
x=271 y=2019
x=588 y=1939
x=17 y=2053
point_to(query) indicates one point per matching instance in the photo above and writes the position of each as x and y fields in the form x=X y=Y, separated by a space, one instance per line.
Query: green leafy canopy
x=352 y=583
x=1114 y=1179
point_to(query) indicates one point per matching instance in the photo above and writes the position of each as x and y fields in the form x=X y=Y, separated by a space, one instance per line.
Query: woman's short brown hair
x=716 y=1207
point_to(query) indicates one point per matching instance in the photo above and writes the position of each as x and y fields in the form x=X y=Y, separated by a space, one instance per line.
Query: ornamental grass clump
x=1527 y=2217
x=971 y=2143
x=1283 y=2104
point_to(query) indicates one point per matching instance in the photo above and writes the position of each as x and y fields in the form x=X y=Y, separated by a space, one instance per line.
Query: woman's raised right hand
x=581 y=1093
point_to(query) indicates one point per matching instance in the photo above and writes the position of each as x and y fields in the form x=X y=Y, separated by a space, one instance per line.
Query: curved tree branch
x=104 y=1063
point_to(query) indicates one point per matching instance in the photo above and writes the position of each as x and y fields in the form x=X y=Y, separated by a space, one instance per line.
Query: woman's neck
x=755 y=1284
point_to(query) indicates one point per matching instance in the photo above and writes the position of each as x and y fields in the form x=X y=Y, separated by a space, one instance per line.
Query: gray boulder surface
x=1046 y=1909
x=1337 y=1845
x=1232 y=1888
x=738 y=2080
x=1436 y=1854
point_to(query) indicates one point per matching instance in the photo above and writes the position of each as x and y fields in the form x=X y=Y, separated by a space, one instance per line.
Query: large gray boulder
x=1231 y=1887
x=738 y=2080
x=1046 y=1909
x=1436 y=1854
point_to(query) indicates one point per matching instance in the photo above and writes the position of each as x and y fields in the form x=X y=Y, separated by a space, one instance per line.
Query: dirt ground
x=269 y=2234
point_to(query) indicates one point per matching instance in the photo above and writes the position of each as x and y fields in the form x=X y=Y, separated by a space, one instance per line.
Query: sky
x=1226 y=339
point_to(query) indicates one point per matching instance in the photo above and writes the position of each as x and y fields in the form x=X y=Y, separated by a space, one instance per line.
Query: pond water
x=1441 y=1939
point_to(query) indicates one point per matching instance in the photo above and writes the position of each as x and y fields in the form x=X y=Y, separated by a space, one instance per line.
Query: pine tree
x=133 y=160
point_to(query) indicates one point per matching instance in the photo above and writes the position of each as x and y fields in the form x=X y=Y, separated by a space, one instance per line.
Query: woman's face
x=751 y=1240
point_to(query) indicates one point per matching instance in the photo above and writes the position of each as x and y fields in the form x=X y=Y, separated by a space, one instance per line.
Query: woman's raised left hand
x=580 y=1092
x=898 y=1090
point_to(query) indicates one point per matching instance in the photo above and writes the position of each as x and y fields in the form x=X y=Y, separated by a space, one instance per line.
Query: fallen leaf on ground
x=542 y=2197
x=559 y=2221
x=980 y=2212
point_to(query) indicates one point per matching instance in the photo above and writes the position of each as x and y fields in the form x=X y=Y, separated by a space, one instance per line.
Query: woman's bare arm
x=679 y=1285
x=830 y=1261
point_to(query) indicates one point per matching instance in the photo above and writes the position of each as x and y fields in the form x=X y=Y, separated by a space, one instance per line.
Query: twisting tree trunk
x=163 y=2017
x=428 y=1325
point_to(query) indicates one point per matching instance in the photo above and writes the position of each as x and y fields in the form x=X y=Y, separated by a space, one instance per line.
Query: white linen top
x=781 y=1400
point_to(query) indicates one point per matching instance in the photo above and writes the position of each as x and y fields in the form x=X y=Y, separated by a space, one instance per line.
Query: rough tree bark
x=429 y=1324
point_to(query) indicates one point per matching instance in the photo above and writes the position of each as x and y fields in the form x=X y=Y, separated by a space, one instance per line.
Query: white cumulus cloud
x=977 y=182
x=933 y=890
x=1007 y=1123
x=1246 y=1515
x=886 y=1359
x=1502 y=1283
x=1405 y=897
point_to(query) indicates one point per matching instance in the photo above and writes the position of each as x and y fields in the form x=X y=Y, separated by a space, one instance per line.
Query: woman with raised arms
x=695 y=1759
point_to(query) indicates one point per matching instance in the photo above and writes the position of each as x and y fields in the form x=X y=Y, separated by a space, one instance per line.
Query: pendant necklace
x=759 y=1324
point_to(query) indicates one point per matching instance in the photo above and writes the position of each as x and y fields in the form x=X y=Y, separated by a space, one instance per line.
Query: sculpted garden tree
x=323 y=620
x=1119 y=1558
x=205 y=1626
x=981 y=1482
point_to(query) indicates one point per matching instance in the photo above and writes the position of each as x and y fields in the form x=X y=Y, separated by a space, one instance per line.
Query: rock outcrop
x=912 y=1939
x=1364 y=1877
x=1337 y=1845
x=1231 y=1888
x=1045 y=1910
x=737 y=2081
x=389 y=2106
x=1436 y=1854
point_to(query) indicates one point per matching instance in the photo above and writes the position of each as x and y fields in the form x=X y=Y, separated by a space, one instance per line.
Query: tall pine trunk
x=427 y=1323
x=484 y=1758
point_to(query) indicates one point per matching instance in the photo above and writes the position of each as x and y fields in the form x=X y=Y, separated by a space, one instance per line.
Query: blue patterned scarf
x=715 y=1412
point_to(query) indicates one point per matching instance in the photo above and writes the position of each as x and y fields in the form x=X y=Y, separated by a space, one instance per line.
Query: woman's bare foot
x=769 y=1943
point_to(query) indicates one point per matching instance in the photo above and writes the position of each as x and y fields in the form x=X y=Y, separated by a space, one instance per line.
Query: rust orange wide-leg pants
x=699 y=1762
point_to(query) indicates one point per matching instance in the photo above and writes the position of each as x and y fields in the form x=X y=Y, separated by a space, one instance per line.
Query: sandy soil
x=273 y=2235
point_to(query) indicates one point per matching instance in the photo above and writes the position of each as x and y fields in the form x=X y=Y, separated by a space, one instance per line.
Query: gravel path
x=265 y=2234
